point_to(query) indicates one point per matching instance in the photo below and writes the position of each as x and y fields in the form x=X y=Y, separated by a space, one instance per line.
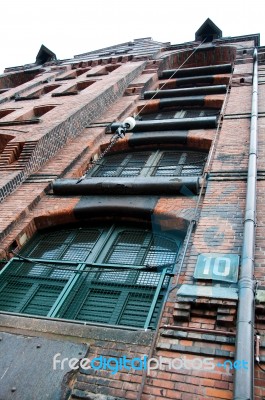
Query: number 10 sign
x=215 y=266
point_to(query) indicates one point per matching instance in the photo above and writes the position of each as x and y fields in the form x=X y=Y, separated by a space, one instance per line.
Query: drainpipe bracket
x=247 y=283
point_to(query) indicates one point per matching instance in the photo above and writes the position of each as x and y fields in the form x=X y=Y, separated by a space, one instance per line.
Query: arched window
x=151 y=163
x=113 y=275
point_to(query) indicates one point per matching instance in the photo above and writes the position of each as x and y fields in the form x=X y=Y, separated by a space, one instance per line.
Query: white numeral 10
x=218 y=263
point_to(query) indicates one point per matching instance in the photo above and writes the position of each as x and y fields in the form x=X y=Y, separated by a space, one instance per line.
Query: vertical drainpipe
x=244 y=378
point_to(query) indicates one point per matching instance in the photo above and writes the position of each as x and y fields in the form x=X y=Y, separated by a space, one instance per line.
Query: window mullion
x=106 y=244
x=88 y=288
x=155 y=298
x=181 y=164
x=141 y=256
x=34 y=288
x=65 y=292
x=123 y=164
x=70 y=239
x=155 y=161
x=152 y=162
x=119 y=307
x=97 y=248
x=180 y=114
x=77 y=276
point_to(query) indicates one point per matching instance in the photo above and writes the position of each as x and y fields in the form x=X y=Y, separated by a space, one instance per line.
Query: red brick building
x=139 y=249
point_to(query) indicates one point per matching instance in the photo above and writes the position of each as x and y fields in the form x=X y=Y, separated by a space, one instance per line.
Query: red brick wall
x=201 y=328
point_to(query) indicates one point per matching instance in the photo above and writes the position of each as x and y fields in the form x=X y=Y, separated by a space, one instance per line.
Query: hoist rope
x=117 y=135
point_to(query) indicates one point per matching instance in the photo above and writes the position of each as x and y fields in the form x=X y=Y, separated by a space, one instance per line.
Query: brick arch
x=195 y=139
x=165 y=213
x=175 y=213
x=200 y=140
x=123 y=209
x=49 y=215
x=210 y=55
x=17 y=78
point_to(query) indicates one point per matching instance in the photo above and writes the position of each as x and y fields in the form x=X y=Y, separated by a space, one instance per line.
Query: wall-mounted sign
x=215 y=266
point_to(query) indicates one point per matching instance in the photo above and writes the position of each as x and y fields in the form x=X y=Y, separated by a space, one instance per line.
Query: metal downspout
x=244 y=378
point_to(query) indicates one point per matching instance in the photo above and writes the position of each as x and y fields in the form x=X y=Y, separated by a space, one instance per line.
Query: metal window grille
x=173 y=163
x=156 y=163
x=111 y=275
x=172 y=114
x=123 y=164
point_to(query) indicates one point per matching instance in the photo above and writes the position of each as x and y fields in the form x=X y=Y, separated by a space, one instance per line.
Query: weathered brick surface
x=22 y=86
x=68 y=138
x=232 y=150
x=239 y=100
x=260 y=243
x=219 y=55
x=243 y=69
x=69 y=118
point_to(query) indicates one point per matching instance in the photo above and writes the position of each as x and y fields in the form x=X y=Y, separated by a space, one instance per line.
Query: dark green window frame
x=113 y=275
x=150 y=163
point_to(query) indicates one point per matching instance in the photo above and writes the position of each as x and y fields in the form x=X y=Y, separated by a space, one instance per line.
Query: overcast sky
x=72 y=27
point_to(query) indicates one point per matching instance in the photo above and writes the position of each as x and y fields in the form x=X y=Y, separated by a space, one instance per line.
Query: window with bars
x=112 y=275
x=151 y=163
x=175 y=114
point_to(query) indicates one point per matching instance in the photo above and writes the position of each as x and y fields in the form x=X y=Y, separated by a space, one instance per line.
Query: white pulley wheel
x=129 y=123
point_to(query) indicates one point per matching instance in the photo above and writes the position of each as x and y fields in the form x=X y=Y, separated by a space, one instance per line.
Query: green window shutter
x=12 y=296
x=130 y=292
x=42 y=299
x=84 y=283
x=135 y=311
x=126 y=302
x=31 y=288
x=161 y=252
x=95 y=305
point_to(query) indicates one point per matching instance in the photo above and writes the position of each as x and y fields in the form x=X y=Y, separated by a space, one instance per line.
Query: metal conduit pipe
x=244 y=378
